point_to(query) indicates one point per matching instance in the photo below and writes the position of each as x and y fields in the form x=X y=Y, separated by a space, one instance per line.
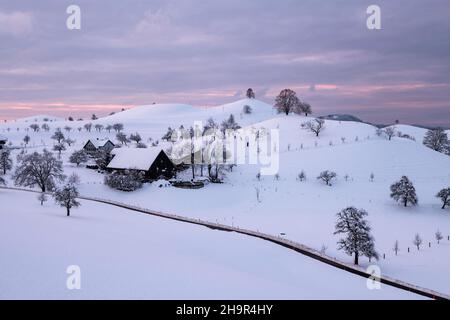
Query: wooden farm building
x=153 y=162
x=97 y=144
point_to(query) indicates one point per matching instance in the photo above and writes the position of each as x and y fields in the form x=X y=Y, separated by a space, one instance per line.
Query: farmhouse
x=97 y=144
x=153 y=162
x=3 y=140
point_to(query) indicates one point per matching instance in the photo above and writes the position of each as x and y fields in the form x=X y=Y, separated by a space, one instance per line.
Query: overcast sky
x=209 y=52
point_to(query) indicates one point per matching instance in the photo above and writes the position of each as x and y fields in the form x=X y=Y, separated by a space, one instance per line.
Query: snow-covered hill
x=125 y=255
x=304 y=211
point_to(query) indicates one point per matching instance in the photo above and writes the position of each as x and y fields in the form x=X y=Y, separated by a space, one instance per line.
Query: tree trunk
x=68 y=211
x=406 y=202
x=287 y=111
x=356 y=258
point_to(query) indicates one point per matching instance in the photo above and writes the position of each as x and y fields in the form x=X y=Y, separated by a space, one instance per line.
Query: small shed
x=97 y=144
x=3 y=140
x=153 y=162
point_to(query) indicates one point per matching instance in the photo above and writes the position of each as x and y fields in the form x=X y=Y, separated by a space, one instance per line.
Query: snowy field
x=128 y=255
x=304 y=211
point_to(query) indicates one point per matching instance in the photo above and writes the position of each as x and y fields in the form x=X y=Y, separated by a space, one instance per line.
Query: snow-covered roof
x=133 y=158
x=3 y=138
x=98 y=142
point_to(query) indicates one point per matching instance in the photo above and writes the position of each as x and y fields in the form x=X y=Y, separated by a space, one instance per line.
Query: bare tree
x=122 y=138
x=79 y=157
x=444 y=195
x=38 y=169
x=250 y=93
x=396 y=247
x=109 y=128
x=98 y=127
x=404 y=192
x=42 y=197
x=34 y=127
x=327 y=176
x=58 y=136
x=436 y=139
x=67 y=197
x=26 y=140
x=358 y=240
x=59 y=147
x=286 y=101
x=68 y=129
x=136 y=137
x=438 y=236
x=389 y=132
x=315 y=126
x=302 y=176
x=5 y=160
x=118 y=127
x=417 y=241
x=88 y=127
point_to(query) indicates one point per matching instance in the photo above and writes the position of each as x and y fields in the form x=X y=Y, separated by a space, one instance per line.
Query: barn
x=3 y=140
x=153 y=162
x=97 y=144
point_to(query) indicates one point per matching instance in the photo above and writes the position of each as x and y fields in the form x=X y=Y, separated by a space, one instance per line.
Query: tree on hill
x=118 y=127
x=58 y=136
x=389 y=132
x=26 y=140
x=404 y=192
x=168 y=135
x=98 y=127
x=247 y=109
x=38 y=169
x=436 y=139
x=59 y=147
x=122 y=138
x=88 y=127
x=315 y=126
x=250 y=93
x=136 y=137
x=34 y=127
x=305 y=108
x=286 y=101
x=358 y=240
x=444 y=195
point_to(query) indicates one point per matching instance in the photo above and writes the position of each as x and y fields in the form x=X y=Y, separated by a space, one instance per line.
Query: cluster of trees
x=128 y=180
x=44 y=171
x=287 y=102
